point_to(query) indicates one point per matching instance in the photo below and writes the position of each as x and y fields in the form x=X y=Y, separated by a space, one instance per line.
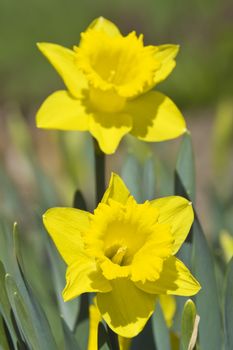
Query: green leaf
x=6 y=246
x=160 y=330
x=21 y=312
x=69 y=311
x=82 y=323
x=70 y=341
x=164 y=179
x=22 y=300
x=131 y=175
x=5 y=307
x=16 y=244
x=79 y=201
x=38 y=273
x=148 y=179
x=228 y=306
x=185 y=166
x=207 y=300
x=4 y=345
x=39 y=318
x=189 y=327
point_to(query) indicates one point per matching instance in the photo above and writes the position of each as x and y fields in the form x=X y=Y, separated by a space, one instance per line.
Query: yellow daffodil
x=125 y=253
x=108 y=78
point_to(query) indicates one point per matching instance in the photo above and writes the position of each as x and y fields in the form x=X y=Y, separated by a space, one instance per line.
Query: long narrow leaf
x=207 y=300
x=185 y=166
x=4 y=344
x=70 y=341
x=5 y=307
x=160 y=330
x=228 y=307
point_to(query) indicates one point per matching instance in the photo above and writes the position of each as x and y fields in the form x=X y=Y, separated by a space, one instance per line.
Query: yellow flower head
x=108 y=77
x=125 y=253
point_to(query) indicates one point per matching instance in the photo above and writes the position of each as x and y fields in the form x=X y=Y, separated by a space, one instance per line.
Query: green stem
x=99 y=172
x=100 y=189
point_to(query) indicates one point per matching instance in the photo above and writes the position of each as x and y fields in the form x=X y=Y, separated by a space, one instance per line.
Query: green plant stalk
x=100 y=189
x=99 y=172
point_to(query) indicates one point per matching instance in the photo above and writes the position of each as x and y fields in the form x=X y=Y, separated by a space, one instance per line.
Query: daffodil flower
x=124 y=252
x=108 y=78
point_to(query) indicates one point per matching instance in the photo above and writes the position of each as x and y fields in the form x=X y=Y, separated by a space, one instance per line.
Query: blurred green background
x=201 y=85
x=203 y=28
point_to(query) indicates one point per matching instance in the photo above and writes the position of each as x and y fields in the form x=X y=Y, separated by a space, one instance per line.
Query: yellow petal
x=112 y=271
x=84 y=276
x=165 y=55
x=116 y=190
x=126 y=308
x=168 y=305
x=155 y=117
x=175 y=279
x=178 y=212
x=148 y=261
x=109 y=128
x=65 y=226
x=63 y=60
x=146 y=267
x=95 y=319
x=105 y=25
x=62 y=112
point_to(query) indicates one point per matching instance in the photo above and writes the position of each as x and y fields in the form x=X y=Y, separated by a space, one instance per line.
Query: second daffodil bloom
x=124 y=252
x=108 y=78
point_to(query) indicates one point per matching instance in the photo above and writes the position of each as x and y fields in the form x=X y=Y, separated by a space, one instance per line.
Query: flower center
x=117 y=63
x=117 y=254
x=126 y=237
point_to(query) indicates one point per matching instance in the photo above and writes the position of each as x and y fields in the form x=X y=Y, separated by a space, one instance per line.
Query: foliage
x=33 y=315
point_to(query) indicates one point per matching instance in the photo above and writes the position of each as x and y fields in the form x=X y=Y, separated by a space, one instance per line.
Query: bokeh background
x=39 y=169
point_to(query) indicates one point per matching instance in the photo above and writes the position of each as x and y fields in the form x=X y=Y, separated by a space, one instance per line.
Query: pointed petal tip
x=101 y=19
x=41 y=45
x=196 y=289
x=64 y=296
